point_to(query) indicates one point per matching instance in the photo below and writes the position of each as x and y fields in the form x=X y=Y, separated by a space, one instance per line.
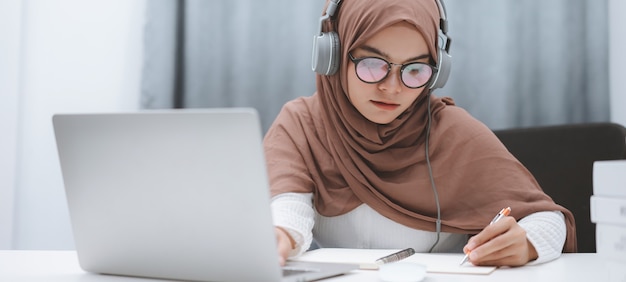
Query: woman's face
x=384 y=101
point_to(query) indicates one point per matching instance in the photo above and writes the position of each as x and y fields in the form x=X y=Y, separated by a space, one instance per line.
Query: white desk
x=55 y=266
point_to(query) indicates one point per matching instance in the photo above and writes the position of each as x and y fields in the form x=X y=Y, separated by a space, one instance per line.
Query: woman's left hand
x=502 y=243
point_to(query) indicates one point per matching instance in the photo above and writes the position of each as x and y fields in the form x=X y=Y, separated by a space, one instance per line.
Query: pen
x=396 y=256
x=504 y=212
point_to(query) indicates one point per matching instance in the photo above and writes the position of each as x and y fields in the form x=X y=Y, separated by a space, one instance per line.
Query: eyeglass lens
x=372 y=70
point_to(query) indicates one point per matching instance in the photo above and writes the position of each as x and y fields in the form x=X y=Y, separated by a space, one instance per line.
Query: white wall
x=10 y=19
x=617 y=60
x=76 y=56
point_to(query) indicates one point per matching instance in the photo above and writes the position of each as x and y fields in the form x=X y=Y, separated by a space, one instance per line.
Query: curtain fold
x=514 y=63
x=532 y=62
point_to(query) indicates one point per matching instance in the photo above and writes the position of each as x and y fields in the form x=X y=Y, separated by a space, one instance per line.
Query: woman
x=374 y=160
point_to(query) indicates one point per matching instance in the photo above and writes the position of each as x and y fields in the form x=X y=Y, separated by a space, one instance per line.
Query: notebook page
x=365 y=258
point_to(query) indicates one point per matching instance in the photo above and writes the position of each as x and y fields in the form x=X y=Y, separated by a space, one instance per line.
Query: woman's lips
x=385 y=106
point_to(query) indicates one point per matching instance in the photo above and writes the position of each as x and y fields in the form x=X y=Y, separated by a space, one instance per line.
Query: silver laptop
x=173 y=194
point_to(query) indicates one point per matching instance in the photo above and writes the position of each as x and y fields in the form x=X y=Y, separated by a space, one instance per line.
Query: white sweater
x=363 y=227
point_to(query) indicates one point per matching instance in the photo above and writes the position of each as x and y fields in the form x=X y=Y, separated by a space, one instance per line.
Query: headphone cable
x=432 y=180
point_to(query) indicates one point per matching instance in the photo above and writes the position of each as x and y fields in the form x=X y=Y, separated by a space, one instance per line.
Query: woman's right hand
x=285 y=245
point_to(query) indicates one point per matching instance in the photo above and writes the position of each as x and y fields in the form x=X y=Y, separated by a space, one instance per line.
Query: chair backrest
x=561 y=159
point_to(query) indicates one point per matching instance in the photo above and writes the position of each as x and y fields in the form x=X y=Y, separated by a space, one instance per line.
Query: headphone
x=326 y=49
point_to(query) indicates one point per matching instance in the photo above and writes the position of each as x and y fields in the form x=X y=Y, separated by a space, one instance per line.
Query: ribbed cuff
x=294 y=213
x=547 y=232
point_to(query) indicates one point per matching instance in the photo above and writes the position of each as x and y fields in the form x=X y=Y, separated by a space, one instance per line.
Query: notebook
x=366 y=259
x=173 y=194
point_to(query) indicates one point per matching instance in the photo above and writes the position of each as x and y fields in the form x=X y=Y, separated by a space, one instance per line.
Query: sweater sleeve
x=546 y=231
x=294 y=213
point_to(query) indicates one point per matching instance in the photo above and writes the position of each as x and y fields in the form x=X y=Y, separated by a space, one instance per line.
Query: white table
x=53 y=266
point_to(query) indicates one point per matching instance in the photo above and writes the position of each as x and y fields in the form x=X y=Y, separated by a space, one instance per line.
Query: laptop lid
x=176 y=194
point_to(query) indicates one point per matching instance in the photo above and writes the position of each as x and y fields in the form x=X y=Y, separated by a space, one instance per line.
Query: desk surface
x=53 y=266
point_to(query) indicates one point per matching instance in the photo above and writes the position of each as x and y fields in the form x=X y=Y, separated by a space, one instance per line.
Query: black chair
x=561 y=159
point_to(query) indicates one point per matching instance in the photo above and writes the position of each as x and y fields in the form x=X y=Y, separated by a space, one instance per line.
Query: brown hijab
x=322 y=145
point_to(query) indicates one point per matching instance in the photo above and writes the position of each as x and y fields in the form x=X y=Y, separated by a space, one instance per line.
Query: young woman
x=373 y=159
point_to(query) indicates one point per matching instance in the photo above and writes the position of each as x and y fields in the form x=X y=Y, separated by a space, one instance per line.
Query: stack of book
x=608 y=211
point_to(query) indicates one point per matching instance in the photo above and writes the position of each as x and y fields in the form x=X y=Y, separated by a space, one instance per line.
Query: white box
x=609 y=178
x=611 y=241
x=610 y=210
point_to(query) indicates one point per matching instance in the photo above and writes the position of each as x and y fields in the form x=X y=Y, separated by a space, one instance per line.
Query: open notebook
x=176 y=194
x=365 y=258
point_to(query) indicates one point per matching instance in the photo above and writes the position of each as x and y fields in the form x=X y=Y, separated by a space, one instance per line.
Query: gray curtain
x=531 y=62
x=515 y=63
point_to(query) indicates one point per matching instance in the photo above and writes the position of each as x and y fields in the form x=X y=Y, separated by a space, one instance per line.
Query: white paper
x=365 y=258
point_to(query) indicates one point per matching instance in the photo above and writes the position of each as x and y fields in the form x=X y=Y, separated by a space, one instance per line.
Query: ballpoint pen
x=504 y=212
x=396 y=256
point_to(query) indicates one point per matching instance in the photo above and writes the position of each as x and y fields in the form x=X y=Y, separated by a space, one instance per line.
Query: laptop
x=173 y=194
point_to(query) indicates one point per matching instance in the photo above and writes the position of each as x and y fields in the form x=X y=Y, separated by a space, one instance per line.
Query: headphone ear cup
x=325 y=57
x=444 y=65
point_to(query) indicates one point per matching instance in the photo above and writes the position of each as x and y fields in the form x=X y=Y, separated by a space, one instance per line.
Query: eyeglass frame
x=356 y=61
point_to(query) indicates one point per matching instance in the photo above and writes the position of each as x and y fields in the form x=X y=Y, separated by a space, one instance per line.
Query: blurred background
x=515 y=64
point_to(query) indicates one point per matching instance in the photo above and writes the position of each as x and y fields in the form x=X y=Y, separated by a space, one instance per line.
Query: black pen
x=396 y=256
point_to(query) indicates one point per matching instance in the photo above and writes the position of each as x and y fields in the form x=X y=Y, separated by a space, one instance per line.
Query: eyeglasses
x=374 y=70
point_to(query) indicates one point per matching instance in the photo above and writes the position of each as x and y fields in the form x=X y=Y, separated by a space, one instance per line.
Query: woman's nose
x=392 y=83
